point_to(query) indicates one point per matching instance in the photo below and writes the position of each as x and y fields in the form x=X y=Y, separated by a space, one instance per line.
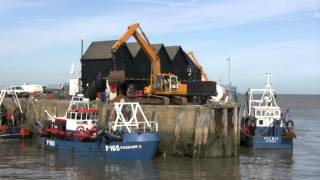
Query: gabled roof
x=157 y=47
x=134 y=48
x=99 y=50
x=172 y=51
x=103 y=49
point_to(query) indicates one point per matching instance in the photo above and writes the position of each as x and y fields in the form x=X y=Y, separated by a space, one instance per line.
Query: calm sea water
x=23 y=160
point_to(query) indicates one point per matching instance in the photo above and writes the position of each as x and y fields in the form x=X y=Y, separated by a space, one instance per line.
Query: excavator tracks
x=151 y=99
x=179 y=100
x=160 y=100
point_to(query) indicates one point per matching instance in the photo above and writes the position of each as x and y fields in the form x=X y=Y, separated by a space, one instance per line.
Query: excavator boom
x=144 y=43
x=196 y=62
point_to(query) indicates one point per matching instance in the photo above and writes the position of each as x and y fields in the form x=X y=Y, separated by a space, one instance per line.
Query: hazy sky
x=39 y=40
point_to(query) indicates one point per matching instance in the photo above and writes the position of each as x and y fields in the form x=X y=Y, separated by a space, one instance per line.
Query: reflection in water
x=24 y=160
x=186 y=168
x=266 y=164
x=79 y=167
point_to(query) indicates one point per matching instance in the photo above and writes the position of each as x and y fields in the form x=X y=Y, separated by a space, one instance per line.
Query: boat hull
x=133 y=146
x=267 y=142
x=15 y=133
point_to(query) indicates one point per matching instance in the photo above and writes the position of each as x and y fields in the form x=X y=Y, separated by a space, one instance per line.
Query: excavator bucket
x=117 y=76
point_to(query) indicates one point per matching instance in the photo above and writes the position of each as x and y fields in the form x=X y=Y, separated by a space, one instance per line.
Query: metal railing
x=134 y=127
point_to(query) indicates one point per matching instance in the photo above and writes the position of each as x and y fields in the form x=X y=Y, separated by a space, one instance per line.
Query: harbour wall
x=194 y=131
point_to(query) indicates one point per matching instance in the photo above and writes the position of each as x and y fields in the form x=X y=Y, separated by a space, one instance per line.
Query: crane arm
x=144 y=43
x=196 y=63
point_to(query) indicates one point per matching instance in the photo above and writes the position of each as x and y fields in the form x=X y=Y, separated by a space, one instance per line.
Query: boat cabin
x=263 y=107
x=81 y=120
x=79 y=116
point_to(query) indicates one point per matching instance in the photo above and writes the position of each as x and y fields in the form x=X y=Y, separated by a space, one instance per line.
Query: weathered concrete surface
x=193 y=131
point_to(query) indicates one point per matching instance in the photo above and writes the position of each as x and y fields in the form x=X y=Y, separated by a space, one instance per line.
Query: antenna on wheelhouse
x=268 y=85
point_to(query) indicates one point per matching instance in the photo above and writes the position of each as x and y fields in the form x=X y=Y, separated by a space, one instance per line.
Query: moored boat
x=130 y=136
x=265 y=126
x=10 y=120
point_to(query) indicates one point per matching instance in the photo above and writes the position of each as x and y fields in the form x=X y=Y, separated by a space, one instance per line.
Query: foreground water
x=23 y=160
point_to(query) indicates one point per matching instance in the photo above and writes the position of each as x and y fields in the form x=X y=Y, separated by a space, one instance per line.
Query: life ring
x=290 y=124
x=80 y=128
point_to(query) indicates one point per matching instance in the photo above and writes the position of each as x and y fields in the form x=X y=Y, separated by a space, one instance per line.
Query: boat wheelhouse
x=78 y=118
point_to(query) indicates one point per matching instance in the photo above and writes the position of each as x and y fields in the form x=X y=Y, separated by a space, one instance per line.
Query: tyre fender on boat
x=290 y=124
x=80 y=128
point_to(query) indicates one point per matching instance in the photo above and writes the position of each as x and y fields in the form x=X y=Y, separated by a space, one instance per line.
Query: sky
x=39 y=40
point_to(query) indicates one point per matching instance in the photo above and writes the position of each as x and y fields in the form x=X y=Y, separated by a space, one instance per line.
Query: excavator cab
x=166 y=83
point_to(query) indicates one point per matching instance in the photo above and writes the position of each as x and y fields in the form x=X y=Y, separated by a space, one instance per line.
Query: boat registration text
x=114 y=148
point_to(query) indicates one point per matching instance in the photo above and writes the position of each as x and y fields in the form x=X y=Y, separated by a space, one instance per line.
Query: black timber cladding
x=182 y=65
x=97 y=62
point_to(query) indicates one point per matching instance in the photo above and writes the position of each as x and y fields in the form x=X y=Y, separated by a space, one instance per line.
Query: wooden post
x=212 y=148
x=225 y=132
x=235 y=137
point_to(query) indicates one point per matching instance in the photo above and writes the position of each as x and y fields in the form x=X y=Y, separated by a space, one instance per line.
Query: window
x=260 y=122
x=73 y=115
x=84 y=116
x=89 y=116
x=78 y=116
x=174 y=82
x=68 y=115
x=258 y=113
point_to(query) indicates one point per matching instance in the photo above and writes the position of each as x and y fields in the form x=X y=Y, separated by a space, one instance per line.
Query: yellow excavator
x=196 y=63
x=164 y=86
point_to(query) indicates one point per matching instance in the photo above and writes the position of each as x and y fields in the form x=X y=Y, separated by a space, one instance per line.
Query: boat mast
x=268 y=85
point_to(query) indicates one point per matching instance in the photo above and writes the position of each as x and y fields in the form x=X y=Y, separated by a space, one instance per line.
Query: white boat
x=264 y=125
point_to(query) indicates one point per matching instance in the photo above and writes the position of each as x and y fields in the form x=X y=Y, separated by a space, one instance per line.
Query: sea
x=24 y=160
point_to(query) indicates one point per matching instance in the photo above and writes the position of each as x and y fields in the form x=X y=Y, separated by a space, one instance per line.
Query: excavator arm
x=196 y=62
x=162 y=85
x=144 y=43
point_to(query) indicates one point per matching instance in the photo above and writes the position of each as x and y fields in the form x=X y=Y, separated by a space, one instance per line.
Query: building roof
x=157 y=47
x=103 y=49
x=99 y=50
x=172 y=51
x=135 y=47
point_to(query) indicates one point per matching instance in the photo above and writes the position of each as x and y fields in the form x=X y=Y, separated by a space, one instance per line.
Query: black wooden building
x=98 y=61
x=181 y=65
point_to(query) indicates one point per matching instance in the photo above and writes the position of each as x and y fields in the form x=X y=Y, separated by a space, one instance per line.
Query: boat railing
x=14 y=95
x=130 y=116
x=134 y=127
